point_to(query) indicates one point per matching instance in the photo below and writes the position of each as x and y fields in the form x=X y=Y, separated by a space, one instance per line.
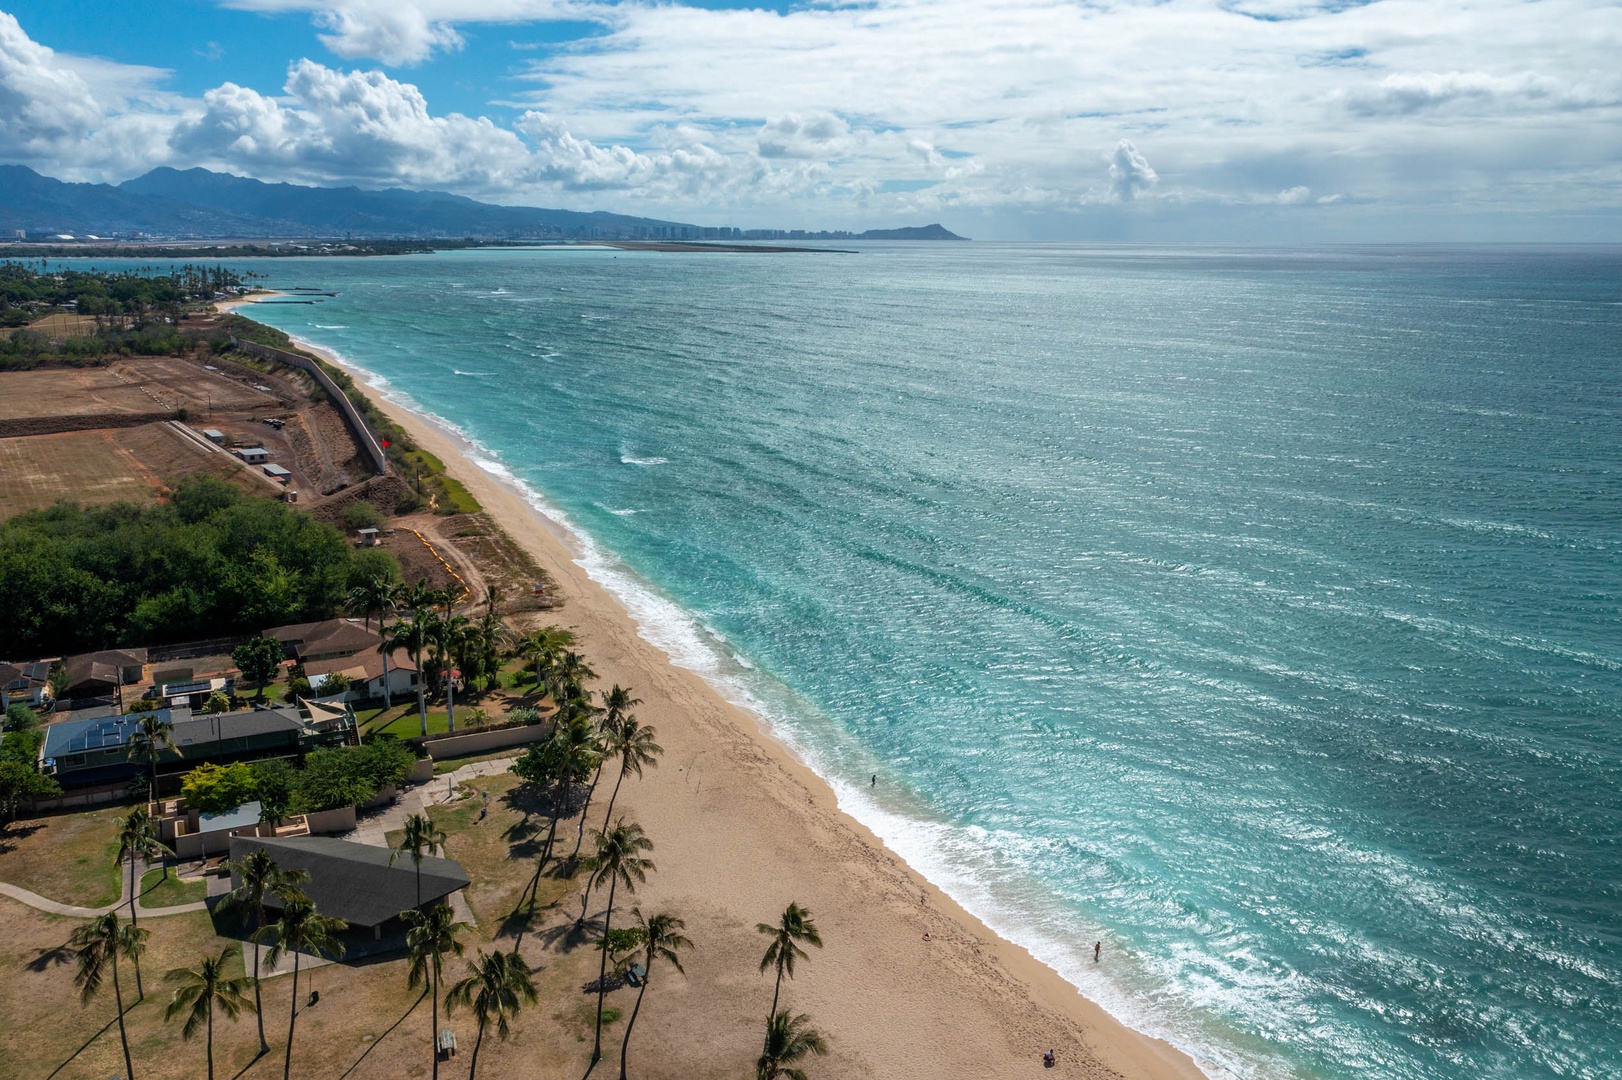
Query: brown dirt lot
x=68 y=858
x=103 y=466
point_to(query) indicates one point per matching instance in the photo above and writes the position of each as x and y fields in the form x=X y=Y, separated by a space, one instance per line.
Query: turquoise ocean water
x=1256 y=612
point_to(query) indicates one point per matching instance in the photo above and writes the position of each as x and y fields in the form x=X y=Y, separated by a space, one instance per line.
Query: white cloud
x=1129 y=172
x=405 y=32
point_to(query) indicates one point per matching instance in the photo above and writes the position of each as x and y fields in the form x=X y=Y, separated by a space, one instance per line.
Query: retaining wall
x=53 y=425
x=364 y=435
x=482 y=742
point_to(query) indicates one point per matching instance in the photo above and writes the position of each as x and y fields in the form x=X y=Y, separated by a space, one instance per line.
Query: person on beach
x=875 y=782
x=1047 y=1060
x=1098 y=947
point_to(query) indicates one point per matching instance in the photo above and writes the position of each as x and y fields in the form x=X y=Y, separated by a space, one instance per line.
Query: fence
x=364 y=435
x=479 y=742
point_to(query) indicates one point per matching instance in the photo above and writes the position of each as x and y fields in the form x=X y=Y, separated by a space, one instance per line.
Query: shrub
x=362 y=515
x=218 y=789
x=218 y=702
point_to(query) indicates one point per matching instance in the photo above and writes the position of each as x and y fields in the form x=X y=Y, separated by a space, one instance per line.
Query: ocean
x=1255 y=612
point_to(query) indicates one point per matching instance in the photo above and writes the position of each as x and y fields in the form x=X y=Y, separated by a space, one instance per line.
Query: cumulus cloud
x=1414 y=92
x=405 y=32
x=818 y=135
x=42 y=102
x=1129 y=172
x=1294 y=196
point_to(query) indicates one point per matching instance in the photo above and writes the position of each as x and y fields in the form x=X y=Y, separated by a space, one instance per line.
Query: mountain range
x=200 y=204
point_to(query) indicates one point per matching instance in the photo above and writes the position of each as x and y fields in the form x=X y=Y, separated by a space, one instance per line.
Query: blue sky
x=1266 y=120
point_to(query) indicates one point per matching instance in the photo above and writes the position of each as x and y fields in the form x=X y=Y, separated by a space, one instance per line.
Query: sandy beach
x=742 y=828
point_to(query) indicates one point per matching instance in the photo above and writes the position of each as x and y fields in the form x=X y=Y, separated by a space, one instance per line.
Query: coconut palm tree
x=788 y=1039
x=376 y=595
x=151 y=737
x=450 y=637
x=543 y=648
x=199 y=989
x=420 y=838
x=301 y=928
x=619 y=862
x=433 y=933
x=138 y=840
x=100 y=942
x=413 y=637
x=396 y=635
x=499 y=987
x=795 y=926
x=258 y=876
x=662 y=939
x=633 y=744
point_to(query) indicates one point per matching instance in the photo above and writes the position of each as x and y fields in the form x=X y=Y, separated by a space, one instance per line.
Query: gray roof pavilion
x=356 y=882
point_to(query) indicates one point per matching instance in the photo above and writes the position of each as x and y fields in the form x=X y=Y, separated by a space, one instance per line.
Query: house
x=365 y=673
x=277 y=473
x=95 y=751
x=253 y=455
x=325 y=640
x=26 y=684
x=103 y=675
x=214 y=435
x=364 y=885
x=192 y=693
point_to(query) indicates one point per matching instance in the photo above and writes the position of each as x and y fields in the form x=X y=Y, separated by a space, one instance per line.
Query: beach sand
x=742 y=828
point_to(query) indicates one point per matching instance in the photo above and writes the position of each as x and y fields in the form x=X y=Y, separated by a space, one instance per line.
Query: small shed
x=214 y=435
x=253 y=455
x=368 y=537
x=278 y=473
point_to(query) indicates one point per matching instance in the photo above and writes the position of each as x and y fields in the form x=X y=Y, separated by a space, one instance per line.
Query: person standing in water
x=1098 y=947
x=875 y=782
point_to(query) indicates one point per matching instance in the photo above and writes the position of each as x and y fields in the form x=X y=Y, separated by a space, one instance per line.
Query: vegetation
x=301 y=929
x=793 y=927
x=421 y=837
x=20 y=777
x=147 y=742
x=199 y=989
x=433 y=934
x=137 y=840
x=362 y=515
x=259 y=877
x=209 y=561
x=218 y=789
x=160 y=889
x=259 y=659
x=788 y=1039
x=618 y=861
x=498 y=988
x=99 y=944
x=662 y=939
x=349 y=775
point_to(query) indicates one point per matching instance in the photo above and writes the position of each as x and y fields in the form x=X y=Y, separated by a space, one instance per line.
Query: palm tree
x=151 y=737
x=433 y=934
x=498 y=988
x=376 y=595
x=420 y=837
x=795 y=926
x=138 y=840
x=543 y=648
x=417 y=598
x=450 y=636
x=618 y=861
x=395 y=636
x=633 y=744
x=100 y=942
x=788 y=1039
x=199 y=990
x=413 y=637
x=662 y=938
x=259 y=876
x=300 y=928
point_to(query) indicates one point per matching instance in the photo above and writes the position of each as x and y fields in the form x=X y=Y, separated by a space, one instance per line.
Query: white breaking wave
x=626 y=459
x=336 y=326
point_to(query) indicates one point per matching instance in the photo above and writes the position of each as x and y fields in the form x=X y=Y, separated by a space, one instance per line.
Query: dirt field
x=128 y=385
x=104 y=466
x=59 y=325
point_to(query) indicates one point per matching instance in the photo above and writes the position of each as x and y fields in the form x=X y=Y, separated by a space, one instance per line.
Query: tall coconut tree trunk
x=140 y=991
x=602 y=971
x=473 y=1066
x=422 y=693
x=292 y=1018
x=433 y=981
x=211 y=1039
x=625 y=1045
x=450 y=698
x=614 y=795
x=775 y=991
x=258 y=1002
x=123 y=1036
x=590 y=791
x=388 y=693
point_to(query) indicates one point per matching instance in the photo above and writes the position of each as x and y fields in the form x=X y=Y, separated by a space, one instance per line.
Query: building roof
x=369 y=663
x=344 y=639
x=243 y=816
x=277 y=470
x=101 y=668
x=80 y=736
x=294 y=633
x=356 y=882
x=198 y=731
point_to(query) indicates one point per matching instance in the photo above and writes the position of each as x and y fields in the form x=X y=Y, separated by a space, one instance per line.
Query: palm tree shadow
x=571 y=934
x=385 y=1035
x=84 y=1047
x=251 y=1063
x=52 y=957
x=10 y=834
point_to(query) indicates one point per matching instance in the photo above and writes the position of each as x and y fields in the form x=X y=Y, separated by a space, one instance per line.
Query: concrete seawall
x=367 y=439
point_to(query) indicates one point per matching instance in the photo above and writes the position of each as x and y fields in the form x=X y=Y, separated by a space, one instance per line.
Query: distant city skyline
x=1261 y=120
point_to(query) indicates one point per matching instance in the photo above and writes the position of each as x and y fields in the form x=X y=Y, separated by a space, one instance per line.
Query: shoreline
x=998 y=992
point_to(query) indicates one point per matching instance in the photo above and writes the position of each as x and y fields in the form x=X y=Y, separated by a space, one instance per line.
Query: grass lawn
x=404 y=723
x=68 y=858
x=159 y=891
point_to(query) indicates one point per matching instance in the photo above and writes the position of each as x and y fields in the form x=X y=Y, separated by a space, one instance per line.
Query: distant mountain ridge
x=201 y=204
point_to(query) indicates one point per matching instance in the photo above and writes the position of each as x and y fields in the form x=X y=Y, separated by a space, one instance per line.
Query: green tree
x=618 y=861
x=788 y=1040
x=633 y=744
x=362 y=515
x=100 y=942
x=19 y=781
x=300 y=929
x=198 y=990
x=433 y=933
x=259 y=659
x=218 y=789
x=499 y=987
x=662 y=939
x=151 y=737
x=421 y=837
x=218 y=702
x=257 y=876
x=543 y=648
x=794 y=927
x=374 y=596
x=137 y=841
